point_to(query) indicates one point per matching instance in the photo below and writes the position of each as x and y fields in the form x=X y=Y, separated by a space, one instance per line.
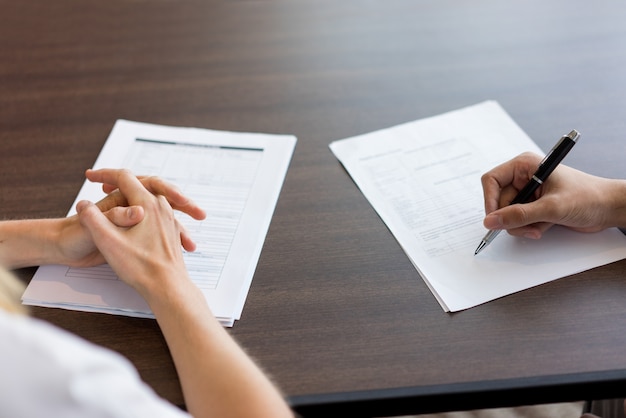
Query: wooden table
x=336 y=314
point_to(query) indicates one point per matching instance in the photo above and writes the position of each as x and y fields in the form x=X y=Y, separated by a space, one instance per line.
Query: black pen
x=546 y=167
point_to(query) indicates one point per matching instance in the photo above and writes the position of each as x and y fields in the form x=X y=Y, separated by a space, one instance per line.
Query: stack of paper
x=235 y=177
x=423 y=179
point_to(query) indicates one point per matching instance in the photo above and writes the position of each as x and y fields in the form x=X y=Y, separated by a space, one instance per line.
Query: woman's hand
x=76 y=247
x=148 y=252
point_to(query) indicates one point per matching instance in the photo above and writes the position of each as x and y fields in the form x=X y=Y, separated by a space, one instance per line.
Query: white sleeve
x=46 y=371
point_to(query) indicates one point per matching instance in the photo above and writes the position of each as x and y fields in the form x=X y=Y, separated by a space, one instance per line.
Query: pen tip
x=574 y=135
x=482 y=245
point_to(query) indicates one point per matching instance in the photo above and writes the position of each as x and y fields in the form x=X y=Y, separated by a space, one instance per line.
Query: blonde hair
x=11 y=290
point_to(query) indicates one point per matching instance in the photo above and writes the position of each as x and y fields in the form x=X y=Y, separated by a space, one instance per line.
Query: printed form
x=235 y=177
x=423 y=179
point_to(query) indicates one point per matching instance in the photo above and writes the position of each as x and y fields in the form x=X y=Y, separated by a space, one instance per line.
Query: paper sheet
x=423 y=179
x=235 y=177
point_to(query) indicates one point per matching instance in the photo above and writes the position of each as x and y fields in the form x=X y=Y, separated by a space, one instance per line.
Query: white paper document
x=235 y=177
x=423 y=179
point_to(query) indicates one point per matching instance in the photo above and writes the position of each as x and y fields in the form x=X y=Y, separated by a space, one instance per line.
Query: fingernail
x=131 y=212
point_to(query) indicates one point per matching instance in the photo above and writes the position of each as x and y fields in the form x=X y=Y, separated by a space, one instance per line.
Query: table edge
x=465 y=396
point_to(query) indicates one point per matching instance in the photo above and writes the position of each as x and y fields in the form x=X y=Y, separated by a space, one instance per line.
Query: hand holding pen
x=495 y=179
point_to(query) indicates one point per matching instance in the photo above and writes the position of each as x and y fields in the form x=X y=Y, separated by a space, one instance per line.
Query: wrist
x=31 y=242
x=169 y=290
x=616 y=203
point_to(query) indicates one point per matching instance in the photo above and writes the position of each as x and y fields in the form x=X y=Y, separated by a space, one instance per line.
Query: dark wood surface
x=336 y=314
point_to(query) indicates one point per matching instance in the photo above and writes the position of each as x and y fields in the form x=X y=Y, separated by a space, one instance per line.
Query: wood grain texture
x=335 y=305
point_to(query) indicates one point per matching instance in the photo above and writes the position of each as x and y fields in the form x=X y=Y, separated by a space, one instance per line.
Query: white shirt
x=48 y=372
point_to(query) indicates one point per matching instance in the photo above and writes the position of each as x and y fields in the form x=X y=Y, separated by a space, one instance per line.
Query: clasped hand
x=126 y=205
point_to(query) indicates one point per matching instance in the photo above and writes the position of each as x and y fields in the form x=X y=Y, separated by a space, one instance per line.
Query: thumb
x=528 y=219
x=95 y=222
x=125 y=216
x=514 y=216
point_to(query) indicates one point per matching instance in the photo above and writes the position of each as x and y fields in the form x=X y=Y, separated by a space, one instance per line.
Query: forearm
x=30 y=242
x=217 y=377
